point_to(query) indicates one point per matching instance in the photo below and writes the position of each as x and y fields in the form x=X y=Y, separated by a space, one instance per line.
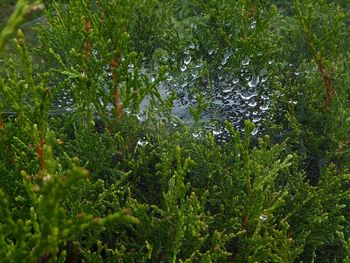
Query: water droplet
x=141 y=117
x=110 y=106
x=263 y=218
x=227 y=90
x=263 y=72
x=217 y=102
x=187 y=60
x=195 y=73
x=264 y=97
x=247 y=95
x=225 y=97
x=254 y=81
x=264 y=107
x=252 y=104
x=256 y=119
x=227 y=55
x=246 y=61
x=217 y=132
x=255 y=131
x=183 y=67
x=253 y=24
x=235 y=81
x=142 y=142
x=196 y=135
x=263 y=79
x=170 y=78
x=224 y=61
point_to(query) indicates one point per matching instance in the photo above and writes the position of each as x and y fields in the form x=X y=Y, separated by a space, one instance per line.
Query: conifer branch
x=319 y=60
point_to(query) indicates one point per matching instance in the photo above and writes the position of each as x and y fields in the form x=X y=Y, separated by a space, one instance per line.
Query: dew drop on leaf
x=246 y=61
x=217 y=132
x=142 y=142
x=255 y=132
x=254 y=82
x=263 y=218
x=187 y=59
x=247 y=95
x=252 y=103
x=235 y=81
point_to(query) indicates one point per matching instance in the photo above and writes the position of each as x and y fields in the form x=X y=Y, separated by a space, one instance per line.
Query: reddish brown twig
x=87 y=43
x=244 y=222
x=247 y=14
x=327 y=85
x=40 y=152
x=116 y=94
x=325 y=77
x=318 y=59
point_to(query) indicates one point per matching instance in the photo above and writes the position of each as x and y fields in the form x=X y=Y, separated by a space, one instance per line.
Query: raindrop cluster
x=233 y=96
x=63 y=101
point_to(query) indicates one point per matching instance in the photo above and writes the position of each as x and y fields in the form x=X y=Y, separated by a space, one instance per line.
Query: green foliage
x=22 y=9
x=117 y=178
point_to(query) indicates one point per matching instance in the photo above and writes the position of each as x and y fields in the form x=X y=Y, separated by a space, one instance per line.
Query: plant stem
x=40 y=152
x=317 y=58
x=87 y=44
x=116 y=94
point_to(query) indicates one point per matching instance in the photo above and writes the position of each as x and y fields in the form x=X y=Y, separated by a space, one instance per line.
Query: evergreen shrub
x=96 y=167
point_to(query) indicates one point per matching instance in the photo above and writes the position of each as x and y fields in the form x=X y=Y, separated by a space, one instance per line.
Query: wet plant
x=175 y=131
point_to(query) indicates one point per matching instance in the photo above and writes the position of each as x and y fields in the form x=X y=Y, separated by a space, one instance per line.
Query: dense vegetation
x=175 y=131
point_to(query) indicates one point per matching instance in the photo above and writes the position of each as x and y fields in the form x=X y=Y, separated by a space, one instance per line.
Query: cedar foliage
x=117 y=178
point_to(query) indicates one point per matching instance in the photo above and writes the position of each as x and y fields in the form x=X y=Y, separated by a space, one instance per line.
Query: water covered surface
x=233 y=96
